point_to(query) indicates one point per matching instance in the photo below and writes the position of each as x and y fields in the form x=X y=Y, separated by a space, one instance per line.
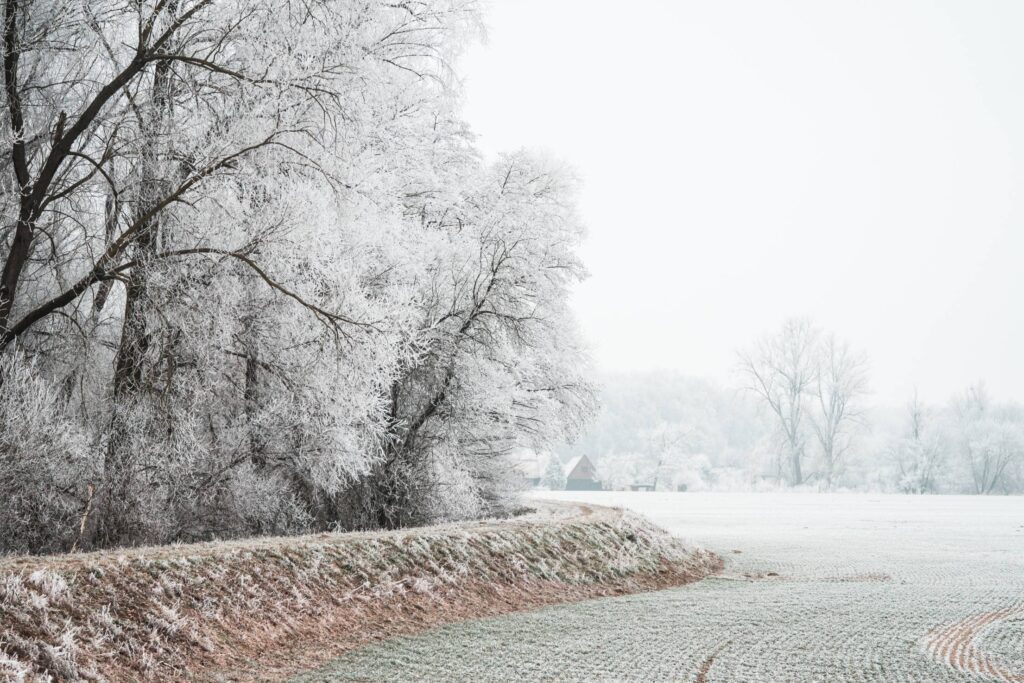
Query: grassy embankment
x=266 y=608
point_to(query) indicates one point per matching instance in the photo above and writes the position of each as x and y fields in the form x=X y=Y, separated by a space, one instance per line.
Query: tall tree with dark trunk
x=252 y=265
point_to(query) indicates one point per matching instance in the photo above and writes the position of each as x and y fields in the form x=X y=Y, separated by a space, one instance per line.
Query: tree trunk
x=130 y=381
x=798 y=477
x=15 y=263
x=251 y=397
x=24 y=229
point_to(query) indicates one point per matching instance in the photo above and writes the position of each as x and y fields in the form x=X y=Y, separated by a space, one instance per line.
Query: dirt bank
x=267 y=608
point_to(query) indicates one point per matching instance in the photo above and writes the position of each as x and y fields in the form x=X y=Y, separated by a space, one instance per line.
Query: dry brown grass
x=265 y=609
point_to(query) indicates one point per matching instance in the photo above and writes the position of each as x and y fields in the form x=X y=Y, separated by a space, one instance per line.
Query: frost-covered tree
x=838 y=391
x=989 y=440
x=919 y=453
x=497 y=364
x=554 y=474
x=669 y=444
x=255 y=270
x=813 y=386
x=780 y=370
x=720 y=423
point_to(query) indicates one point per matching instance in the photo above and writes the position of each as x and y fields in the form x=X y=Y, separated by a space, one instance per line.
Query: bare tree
x=839 y=386
x=919 y=453
x=990 y=440
x=667 y=443
x=780 y=369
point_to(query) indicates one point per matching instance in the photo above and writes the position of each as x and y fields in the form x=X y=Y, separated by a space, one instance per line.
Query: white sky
x=860 y=162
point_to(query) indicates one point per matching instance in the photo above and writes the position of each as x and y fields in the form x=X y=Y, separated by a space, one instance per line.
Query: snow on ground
x=844 y=587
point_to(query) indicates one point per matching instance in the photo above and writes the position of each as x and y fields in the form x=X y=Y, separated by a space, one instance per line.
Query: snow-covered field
x=817 y=587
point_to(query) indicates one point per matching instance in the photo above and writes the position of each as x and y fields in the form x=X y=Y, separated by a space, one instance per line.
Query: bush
x=47 y=467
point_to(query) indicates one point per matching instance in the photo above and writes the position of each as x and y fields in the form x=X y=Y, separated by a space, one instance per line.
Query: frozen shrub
x=46 y=463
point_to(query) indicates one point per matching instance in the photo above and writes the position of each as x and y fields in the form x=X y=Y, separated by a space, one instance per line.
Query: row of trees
x=667 y=430
x=800 y=417
x=257 y=279
x=814 y=388
x=973 y=445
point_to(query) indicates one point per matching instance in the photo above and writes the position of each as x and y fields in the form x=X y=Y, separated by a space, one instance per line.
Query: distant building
x=580 y=475
x=641 y=487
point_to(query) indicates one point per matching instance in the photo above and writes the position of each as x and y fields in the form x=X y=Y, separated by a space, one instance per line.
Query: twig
x=85 y=518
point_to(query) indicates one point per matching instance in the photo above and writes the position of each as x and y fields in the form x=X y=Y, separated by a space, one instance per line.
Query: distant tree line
x=815 y=388
x=257 y=279
x=971 y=445
x=668 y=430
x=799 y=416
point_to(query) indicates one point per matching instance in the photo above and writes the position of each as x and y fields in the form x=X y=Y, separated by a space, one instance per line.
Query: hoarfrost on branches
x=257 y=278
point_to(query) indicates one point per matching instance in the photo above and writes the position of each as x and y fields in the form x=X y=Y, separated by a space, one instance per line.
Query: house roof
x=580 y=467
x=571 y=465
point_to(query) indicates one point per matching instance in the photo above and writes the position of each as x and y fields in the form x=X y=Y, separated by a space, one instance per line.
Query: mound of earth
x=268 y=608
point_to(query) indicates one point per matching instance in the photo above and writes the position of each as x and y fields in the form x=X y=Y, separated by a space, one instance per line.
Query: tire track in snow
x=825 y=589
x=956 y=645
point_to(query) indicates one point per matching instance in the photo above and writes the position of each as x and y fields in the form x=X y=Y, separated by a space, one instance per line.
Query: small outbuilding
x=580 y=475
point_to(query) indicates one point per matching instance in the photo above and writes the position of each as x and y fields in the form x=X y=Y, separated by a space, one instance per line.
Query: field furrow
x=850 y=588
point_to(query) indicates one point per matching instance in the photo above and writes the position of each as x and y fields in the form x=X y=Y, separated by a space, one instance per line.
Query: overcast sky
x=858 y=162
